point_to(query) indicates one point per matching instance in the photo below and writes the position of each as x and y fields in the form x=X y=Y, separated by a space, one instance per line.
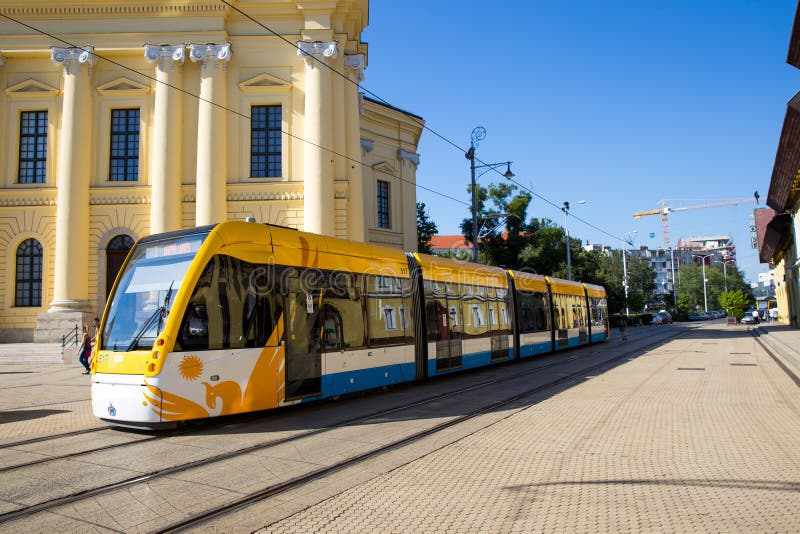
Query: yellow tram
x=240 y=317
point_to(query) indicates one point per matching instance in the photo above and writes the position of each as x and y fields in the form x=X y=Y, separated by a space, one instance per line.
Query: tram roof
x=439 y=269
x=565 y=287
x=595 y=291
x=303 y=249
x=529 y=282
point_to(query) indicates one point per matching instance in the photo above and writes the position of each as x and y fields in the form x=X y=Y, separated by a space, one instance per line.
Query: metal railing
x=70 y=338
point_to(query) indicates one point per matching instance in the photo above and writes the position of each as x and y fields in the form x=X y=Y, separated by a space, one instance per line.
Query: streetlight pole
x=565 y=209
x=478 y=134
x=674 y=281
x=705 y=292
x=725 y=273
x=625 y=268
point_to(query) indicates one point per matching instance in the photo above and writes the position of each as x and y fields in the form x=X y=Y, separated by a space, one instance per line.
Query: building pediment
x=385 y=167
x=123 y=86
x=30 y=88
x=264 y=83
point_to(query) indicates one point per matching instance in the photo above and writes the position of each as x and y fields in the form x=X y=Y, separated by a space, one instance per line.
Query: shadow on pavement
x=769 y=485
x=26 y=415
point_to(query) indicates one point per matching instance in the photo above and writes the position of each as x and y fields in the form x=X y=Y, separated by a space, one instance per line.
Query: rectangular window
x=477 y=317
x=454 y=316
x=124 y=161
x=265 y=141
x=33 y=147
x=383 y=204
x=388 y=318
x=491 y=316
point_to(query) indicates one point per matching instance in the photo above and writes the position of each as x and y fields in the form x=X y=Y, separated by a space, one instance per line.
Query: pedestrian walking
x=621 y=324
x=85 y=350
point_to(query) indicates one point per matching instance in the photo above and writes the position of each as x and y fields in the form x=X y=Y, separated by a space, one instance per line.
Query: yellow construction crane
x=665 y=210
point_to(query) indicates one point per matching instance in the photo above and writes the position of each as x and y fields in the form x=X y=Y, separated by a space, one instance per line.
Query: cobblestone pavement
x=699 y=435
x=39 y=399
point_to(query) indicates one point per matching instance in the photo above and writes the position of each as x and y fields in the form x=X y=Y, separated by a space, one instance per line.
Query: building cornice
x=11 y=198
x=119 y=8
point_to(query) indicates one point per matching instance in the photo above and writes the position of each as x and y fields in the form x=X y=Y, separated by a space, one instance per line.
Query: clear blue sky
x=619 y=103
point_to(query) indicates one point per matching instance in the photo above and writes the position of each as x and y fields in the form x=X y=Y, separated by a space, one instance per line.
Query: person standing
x=85 y=350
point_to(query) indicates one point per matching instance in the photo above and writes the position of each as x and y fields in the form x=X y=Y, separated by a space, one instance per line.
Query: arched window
x=116 y=252
x=29 y=274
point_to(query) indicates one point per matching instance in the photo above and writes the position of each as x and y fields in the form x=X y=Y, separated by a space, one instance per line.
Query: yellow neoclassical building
x=126 y=118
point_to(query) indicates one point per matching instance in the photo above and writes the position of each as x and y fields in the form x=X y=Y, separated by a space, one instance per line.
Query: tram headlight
x=157 y=356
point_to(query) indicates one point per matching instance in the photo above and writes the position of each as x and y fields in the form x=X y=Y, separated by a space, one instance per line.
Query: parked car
x=661 y=318
x=695 y=317
x=749 y=318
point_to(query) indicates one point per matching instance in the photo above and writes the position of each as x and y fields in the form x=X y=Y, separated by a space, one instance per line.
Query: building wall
x=174 y=144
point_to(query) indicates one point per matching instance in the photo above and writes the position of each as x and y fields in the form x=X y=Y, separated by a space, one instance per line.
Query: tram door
x=443 y=326
x=304 y=338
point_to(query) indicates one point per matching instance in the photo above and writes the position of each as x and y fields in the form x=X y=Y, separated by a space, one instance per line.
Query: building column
x=71 y=288
x=354 y=64
x=318 y=201
x=408 y=195
x=166 y=143
x=212 y=139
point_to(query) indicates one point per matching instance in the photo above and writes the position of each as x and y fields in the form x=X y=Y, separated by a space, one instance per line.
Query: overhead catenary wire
x=225 y=108
x=289 y=134
x=422 y=124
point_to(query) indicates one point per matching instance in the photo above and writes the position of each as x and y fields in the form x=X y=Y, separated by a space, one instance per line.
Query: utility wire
x=346 y=78
x=332 y=69
x=220 y=106
x=421 y=123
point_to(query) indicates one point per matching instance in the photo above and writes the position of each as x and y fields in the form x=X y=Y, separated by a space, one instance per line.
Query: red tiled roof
x=446 y=242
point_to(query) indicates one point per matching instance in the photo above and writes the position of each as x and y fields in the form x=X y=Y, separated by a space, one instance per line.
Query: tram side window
x=534 y=312
x=343 y=321
x=455 y=296
x=229 y=308
x=436 y=315
x=388 y=299
x=475 y=311
x=598 y=311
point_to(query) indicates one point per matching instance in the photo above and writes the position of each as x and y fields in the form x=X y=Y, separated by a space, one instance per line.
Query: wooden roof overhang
x=783 y=187
x=793 y=57
x=776 y=239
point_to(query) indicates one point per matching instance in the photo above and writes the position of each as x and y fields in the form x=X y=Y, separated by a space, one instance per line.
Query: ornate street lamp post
x=478 y=134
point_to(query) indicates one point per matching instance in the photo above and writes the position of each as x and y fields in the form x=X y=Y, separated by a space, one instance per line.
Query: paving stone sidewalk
x=698 y=435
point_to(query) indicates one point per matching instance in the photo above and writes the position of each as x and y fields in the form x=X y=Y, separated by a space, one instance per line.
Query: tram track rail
x=278 y=489
x=51 y=504
x=209 y=425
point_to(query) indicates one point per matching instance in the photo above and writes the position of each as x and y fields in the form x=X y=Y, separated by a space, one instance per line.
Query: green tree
x=690 y=288
x=734 y=302
x=499 y=206
x=426 y=229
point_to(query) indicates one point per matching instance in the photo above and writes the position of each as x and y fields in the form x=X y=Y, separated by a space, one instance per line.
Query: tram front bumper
x=120 y=399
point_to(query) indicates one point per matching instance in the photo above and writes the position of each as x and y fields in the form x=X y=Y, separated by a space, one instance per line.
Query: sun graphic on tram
x=191 y=367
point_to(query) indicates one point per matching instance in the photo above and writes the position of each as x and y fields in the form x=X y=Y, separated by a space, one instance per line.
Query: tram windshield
x=143 y=298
